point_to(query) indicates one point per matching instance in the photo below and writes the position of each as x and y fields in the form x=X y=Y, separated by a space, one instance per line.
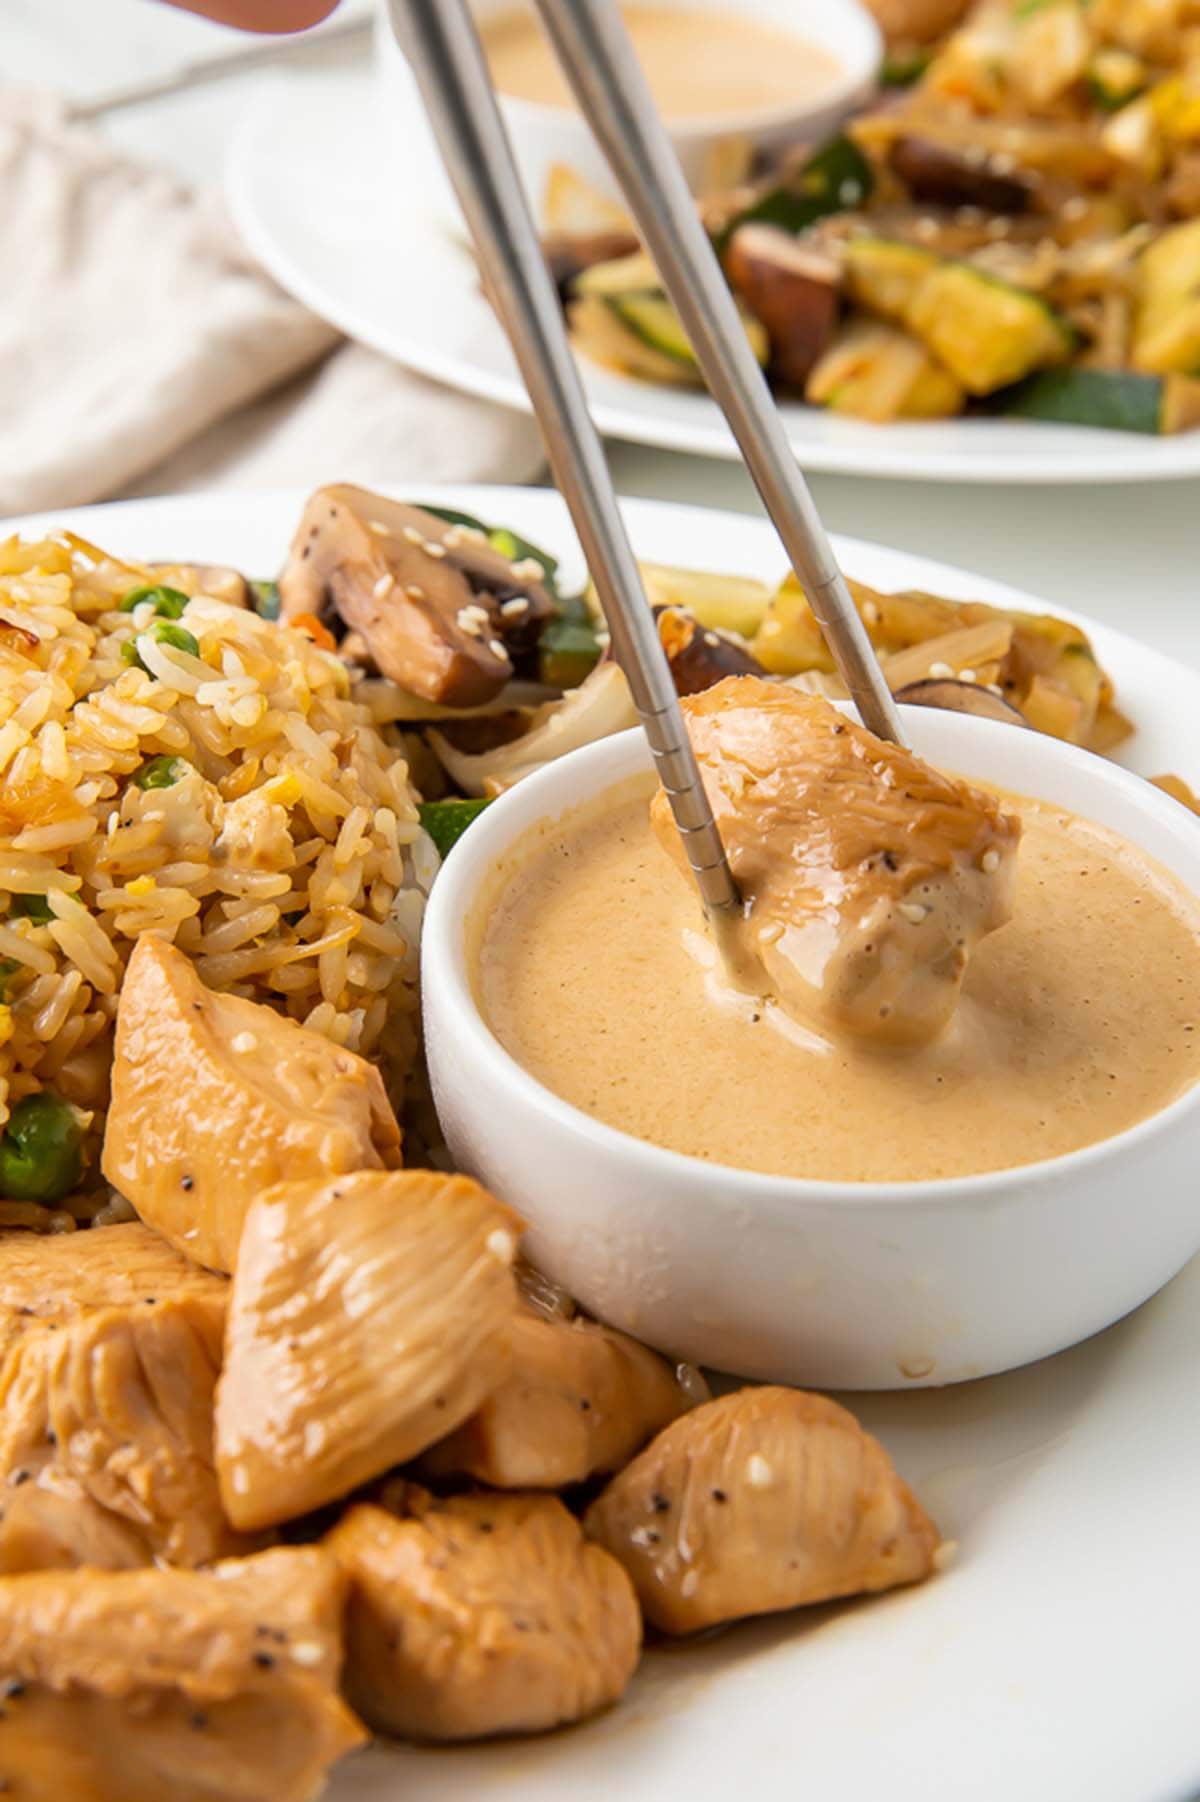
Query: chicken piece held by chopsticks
x=868 y=877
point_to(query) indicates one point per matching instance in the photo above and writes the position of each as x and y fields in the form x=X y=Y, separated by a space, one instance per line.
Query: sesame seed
x=307 y=1652
x=759 y=1474
x=1075 y=208
x=415 y=592
x=453 y=538
x=377 y=526
x=384 y=586
x=496 y=647
x=528 y=569
x=466 y=622
x=926 y=228
x=473 y=534
x=1003 y=164
x=968 y=675
x=478 y=613
x=412 y=536
x=644 y=1536
x=870 y=613
x=244 y=1041
x=989 y=863
x=710 y=638
x=941 y=671
x=515 y=608
x=502 y=1245
x=432 y=549
x=914 y=911
x=690 y=1583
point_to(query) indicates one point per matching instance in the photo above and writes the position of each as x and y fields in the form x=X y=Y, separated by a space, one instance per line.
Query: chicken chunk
x=370 y=1315
x=62 y=1529
x=141 y=1685
x=580 y=1398
x=215 y=1098
x=116 y=1407
x=479 y=1615
x=62 y=1276
x=867 y=876
x=760 y=1501
x=424 y=595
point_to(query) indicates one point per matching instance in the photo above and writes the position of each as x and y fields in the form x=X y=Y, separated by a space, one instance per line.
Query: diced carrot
x=321 y=636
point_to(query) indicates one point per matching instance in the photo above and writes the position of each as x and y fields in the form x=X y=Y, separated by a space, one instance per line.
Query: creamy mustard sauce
x=1078 y=1018
x=699 y=64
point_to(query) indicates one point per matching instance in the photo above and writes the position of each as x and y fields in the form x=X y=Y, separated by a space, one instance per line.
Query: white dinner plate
x=1055 y=1660
x=331 y=204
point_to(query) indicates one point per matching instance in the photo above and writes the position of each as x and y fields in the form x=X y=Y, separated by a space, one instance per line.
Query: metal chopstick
x=442 y=46
x=597 y=56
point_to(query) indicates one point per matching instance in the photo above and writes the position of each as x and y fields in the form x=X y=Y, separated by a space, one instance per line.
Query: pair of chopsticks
x=590 y=39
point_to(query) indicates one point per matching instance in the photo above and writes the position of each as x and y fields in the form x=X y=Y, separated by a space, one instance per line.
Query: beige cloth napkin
x=142 y=351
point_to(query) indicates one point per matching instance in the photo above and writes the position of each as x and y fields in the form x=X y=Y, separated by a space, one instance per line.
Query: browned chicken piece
x=424 y=595
x=868 y=877
x=138 y=1686
x=481 y=1614
x=61 y=1276
x=117 y=1406
x=580 y=1398
x=62 y=1529
x=215 y=1098
x=760 y=1501
x=370 y=1315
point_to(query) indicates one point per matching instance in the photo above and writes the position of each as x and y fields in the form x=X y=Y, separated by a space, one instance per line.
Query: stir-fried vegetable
x=162 y=632
x=446 y=821
x=161 y=772
x=31 y=907
x=41 y=1150
x=168 y=603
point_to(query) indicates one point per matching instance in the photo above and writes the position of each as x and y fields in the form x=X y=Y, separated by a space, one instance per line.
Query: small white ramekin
x=546 y=136
x=839 y=1285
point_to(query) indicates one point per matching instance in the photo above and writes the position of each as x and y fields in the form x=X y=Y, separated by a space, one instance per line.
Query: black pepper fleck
x=660 y=1504
x=187 y=1182
x=199 y=1720
x=719 y=1495
x=264 y=1661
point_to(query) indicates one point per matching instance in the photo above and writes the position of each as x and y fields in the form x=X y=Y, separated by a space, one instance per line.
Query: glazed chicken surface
x=369 y=1315
x=580 y=1398
x=267 y=1101
x=139 y=1686
x=760 y=1500
x=867 y=876
x=481 y=1614
x=108 y=1367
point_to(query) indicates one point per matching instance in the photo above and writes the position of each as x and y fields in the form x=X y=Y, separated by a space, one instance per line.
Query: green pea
x=161 y=772
x=31 y=907
x=267 y=600
x=169 y=603
x=41 y=1151
x=163 y=632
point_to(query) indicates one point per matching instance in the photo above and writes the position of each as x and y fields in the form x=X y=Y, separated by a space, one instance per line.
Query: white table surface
x=1128 y=555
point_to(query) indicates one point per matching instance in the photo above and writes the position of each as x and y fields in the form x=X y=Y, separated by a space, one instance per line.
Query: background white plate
x=1056 y=1660
x=331 y=202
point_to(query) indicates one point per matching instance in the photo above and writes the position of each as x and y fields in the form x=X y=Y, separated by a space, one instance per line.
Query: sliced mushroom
x=794 y=291
x=699 y=657
x=961 y=697
x=970 y=177
x=434 y=602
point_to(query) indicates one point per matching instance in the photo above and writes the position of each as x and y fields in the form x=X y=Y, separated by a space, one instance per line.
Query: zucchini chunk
x=1116 y=400
x=883 y=274
x=987 y=333
x=1166 y=332
x=649 y=340
x=881 y=373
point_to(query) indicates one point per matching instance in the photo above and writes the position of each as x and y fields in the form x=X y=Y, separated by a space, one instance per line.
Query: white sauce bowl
x=837 y=1285
x=543 y=136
